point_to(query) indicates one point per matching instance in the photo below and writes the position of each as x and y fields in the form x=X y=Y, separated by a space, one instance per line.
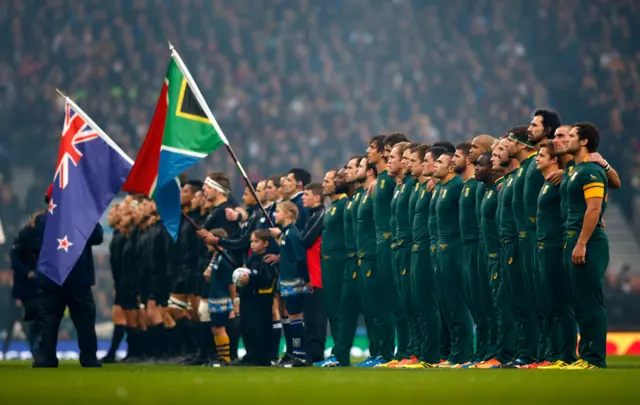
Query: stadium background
x=306 y=83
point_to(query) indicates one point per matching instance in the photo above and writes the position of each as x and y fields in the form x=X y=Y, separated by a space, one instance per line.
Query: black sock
x=146 y=346
x=274 y=341
x=207 y=344
x=233 y=331
x=133 y=348
x=185 y=328
x=157 y=338
x=116 y=339
x=288 y=337
x=174 y=343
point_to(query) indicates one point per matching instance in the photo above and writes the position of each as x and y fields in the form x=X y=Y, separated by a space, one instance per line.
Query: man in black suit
x=74 y=293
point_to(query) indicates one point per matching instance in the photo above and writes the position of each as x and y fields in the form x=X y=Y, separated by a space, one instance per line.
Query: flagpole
x=95 y=126
x=218 y=249
x=214 y=123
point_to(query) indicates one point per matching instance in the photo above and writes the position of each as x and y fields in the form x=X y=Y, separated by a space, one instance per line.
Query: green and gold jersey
x=533 y=181
x=421 y=217
x=403 y=218
x=469 y=229
x=413 y=199
x=393 y=221
x=549 y=217
x=518 y=195
x=433 y=219
x=366 y=228
x=333 y=240
x=480 y=191
x=350 y=221
x=588 y=180
x=382 y=196
x=499 y=183
x=508 y=229
x=488 y=224
x=564 y=199
x=448 y=211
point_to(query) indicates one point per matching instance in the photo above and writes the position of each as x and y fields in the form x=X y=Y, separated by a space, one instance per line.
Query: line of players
x=424 y=241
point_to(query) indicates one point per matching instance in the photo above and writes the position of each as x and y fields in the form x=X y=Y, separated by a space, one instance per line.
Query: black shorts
x=219 y=319
x=128 y=300
x=294 y=304
x=118 y=299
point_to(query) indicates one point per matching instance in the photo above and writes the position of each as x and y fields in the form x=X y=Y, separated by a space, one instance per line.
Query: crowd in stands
x=308 y=82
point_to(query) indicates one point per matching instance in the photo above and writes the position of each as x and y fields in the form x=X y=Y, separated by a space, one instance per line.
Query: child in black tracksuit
x=256 y=300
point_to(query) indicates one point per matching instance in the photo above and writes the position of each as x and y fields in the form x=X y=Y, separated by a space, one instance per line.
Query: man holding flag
x=89 y=172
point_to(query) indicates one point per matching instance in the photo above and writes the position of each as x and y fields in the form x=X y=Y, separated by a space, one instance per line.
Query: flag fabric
x=3 y=238
x=90 y=171
x=180 y=135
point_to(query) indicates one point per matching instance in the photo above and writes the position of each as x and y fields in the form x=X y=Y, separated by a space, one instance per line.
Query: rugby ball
x=239 y=272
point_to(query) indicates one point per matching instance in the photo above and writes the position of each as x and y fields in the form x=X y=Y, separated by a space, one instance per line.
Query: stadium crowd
x=288 y=81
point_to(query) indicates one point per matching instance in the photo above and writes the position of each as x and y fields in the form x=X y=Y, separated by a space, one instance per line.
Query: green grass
x=141 y=384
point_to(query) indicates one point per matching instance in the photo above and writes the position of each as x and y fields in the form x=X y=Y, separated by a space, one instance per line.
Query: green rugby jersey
x=588 y=180
x=533 y=181
x=403 y=218
x=433 y=220
x=382 y=196
x=549 y=217
x=508 y=229
x=421 y=217
x=366 y=228
x=488 y=223
x=413 y=199
x=350 y=220
x=448 y=211
x=480 y=190
x=469 y=229
x=518 y=195
x=393 y=221
x=564 y=208
x=333 y=238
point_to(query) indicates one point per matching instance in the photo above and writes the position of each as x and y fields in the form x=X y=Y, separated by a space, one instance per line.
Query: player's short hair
x=590 y=132
x=550 y=121
x=551 y=150
x=357 y=157
x=447 y=145
x=290 y=208
x=437 y=151
x=379 y=141
x=195 y=185
x=263 y=235
x=421 y=150
x=301 y=175
x=395 y=138
x=402 y=146
x=488 y=155
x=220 y=233
x=465 y=147
x=315 y=188
x=275 y=179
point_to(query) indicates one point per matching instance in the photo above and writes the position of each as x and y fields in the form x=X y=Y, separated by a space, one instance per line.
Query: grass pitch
x=160 y=384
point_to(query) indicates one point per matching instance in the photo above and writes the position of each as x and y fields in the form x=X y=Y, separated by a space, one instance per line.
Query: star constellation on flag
x=51 y=207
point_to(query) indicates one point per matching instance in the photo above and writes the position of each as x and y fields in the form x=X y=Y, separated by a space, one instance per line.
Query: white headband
x=214 y=184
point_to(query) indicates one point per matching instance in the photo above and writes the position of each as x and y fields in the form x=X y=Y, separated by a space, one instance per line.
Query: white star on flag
x=51 y=206
x=64 y=244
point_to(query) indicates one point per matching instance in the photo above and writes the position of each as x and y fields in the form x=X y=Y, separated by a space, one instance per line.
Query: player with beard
x=333 y=252
x=586 y=196
x=490 y=170
x=424 y=291
x=522 y=279
x=543 y=126
x=273 y=196
x=377 y=153
x=470 y=233
x=374 y=281
x=450 y=277
x=350 y=300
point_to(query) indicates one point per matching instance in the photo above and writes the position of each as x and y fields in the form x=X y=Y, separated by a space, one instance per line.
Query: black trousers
x=29 y=326
x=315 y=325
x=256 y=327
x=82 y=310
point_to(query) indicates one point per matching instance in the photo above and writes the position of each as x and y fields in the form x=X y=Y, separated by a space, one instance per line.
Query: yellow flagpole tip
x=61 y=93
x=170 y=45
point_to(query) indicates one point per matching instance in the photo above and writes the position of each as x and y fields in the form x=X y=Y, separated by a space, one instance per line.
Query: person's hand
x=243 y=280
x=555 y=177
x=202 y=233
x=207 y=274
x=275 y=232
x=310 y=287
x=31 y=275
x=18 y=303
x=595 y=157
x=213 y=240
x=272 y=259
x=231 y=214
x=578 y=256
x=236 y=308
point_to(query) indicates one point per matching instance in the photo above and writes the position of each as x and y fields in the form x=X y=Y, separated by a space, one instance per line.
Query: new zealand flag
x=90 y=171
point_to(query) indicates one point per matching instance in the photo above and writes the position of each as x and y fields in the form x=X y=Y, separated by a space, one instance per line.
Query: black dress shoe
x=91 y=364
x=40 y=364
